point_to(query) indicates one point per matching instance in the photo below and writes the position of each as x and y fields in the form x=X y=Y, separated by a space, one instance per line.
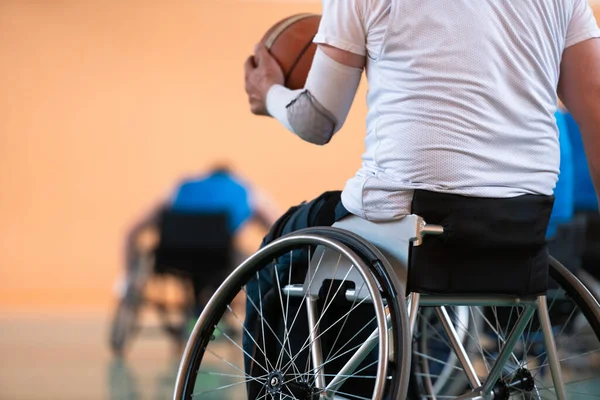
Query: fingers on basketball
x=290 y=42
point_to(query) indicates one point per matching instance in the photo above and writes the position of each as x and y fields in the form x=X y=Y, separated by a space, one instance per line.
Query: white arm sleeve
x=334 y=85
x=278 y=99
x=331 y=84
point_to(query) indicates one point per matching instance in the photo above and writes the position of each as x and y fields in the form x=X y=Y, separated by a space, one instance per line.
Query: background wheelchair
x=576 y=208
x=192 y=258
x=339 y=327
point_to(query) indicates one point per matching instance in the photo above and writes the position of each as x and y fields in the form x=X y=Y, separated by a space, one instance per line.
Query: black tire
x=577 y=291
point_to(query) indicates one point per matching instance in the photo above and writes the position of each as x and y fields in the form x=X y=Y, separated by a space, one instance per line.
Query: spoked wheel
x=590 y=283
x=174 y=304
x=124 y=324
x=575 y=325
x=316 y=319
x=436 y=369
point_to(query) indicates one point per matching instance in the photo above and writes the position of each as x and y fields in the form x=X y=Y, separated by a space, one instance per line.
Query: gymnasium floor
x=64 y=357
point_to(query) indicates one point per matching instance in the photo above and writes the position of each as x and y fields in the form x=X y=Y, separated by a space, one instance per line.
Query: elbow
x=320 y=138
x=310 y=121
x=316 y=141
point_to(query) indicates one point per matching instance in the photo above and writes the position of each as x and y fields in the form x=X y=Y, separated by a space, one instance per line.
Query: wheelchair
x=192 y=258
x=344 y=327
x=583 y=199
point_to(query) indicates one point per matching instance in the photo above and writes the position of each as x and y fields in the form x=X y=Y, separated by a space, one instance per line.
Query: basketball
x=290 y=42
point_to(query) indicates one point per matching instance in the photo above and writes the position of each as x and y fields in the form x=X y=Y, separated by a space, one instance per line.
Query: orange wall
x=104 y=105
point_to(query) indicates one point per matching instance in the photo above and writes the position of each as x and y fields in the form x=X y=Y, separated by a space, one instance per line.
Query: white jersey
x=461 y=98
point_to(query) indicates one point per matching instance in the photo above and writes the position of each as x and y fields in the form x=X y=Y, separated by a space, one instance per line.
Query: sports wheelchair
x=344 y=327
x=192 y=257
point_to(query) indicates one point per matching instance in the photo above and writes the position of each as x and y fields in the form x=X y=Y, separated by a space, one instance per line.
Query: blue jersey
x=585 y=194
x=216 y=192
x=563 y=209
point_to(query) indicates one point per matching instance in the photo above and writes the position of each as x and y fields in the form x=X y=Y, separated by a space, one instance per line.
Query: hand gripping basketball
x=261 y=72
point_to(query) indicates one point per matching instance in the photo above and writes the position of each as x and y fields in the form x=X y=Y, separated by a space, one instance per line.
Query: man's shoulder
x=365 y=6
x=366 y=13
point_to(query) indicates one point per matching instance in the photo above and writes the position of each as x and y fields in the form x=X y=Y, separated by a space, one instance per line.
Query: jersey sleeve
x=343 y=26
x=583 y=25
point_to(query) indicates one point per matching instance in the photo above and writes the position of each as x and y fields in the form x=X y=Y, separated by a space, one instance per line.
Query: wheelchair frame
x=439 y=302
x=125 y=327
x=482 y=390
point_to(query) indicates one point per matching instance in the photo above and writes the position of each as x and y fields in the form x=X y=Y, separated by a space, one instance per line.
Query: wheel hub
x=522 y=381
x=274 y=382
x=299 y=388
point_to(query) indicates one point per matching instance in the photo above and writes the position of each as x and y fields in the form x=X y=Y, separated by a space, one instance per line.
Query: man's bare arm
x=579 y=90
x=265 y=210
x=344 y=57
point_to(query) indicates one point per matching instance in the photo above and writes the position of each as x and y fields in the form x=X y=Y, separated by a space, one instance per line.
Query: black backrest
x=489 y=246
x=194 y=231
x=193 y=241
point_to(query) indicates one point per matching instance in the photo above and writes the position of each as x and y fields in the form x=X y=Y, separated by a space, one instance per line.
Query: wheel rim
x=197 y=345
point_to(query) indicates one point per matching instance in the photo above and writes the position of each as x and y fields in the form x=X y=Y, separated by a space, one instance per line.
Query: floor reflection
x=125 y=383
x=66 y=357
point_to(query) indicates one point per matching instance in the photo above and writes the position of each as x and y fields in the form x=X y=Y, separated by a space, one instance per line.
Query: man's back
x=461 y=96
x=216 y=192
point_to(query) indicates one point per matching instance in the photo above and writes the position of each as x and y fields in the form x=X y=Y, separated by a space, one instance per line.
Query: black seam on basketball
x=297 y=60
x=303 y=17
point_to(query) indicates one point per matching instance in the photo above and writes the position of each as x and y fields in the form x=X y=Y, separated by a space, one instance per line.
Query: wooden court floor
x=64 y=356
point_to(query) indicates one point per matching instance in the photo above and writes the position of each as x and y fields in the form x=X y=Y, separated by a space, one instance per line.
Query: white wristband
x=278 y=99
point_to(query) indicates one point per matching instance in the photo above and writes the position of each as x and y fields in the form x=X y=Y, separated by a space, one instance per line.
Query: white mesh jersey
x=461 y=97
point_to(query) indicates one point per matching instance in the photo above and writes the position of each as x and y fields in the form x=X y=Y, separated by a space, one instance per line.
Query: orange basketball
x=290 y=42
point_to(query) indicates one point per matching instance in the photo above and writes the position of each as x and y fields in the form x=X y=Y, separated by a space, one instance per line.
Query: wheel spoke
x=262 y=324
